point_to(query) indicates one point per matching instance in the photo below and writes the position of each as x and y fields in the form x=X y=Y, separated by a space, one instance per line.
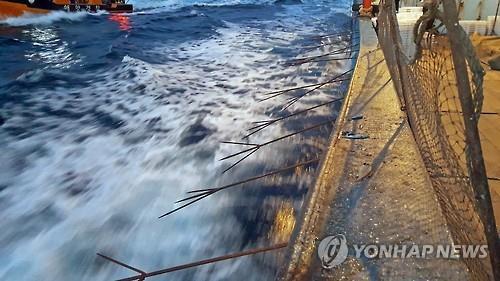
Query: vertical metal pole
x=477 y=169
x=495 y=21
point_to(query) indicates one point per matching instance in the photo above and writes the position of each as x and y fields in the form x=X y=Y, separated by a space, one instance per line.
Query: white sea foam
x=169 y=5
x=43 y=19
x=77 y=186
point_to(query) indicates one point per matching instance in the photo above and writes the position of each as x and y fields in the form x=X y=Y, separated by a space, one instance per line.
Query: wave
x=170 y=5
x=45 y=19
x=100 y=153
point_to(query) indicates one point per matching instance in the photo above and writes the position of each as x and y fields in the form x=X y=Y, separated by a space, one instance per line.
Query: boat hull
x=12 y=9
x=9 y=8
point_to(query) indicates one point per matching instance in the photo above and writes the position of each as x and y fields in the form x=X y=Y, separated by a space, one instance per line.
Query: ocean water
x=107 y=120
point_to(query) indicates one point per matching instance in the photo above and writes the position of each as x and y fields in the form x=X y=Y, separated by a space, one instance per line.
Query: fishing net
x=443 y=107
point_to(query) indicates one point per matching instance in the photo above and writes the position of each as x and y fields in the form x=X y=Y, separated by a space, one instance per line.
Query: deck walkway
x=489 y=129
x=373 y=190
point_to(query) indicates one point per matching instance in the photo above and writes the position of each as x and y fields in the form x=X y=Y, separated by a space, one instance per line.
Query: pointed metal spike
x=201 y=190
x=191 y=197
x=241 y=160
x=336 y=79
x=217 y=189
x=120 y=263
x=236 y=154
x=256 y=130
x=184 y=206
x=257 y=122
x=263 y=124
x=239 y=143
x=206 y=261
x=307 y=59
x=337 y=34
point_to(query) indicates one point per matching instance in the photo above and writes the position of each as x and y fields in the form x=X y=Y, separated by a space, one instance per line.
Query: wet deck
x=373 y=190
x=489 y=129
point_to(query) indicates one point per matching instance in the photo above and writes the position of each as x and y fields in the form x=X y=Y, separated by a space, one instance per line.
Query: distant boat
x=9 y=8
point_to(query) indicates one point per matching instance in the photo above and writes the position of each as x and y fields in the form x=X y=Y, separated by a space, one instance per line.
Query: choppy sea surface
x=107 y=120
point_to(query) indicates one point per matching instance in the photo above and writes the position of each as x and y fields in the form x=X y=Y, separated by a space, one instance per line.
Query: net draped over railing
x=440 y=88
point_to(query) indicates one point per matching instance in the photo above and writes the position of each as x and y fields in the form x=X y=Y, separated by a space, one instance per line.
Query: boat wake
x=44 y=19
x=170 y=5
x=104 y=129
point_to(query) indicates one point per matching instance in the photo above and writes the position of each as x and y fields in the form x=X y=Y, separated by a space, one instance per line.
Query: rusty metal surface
x=373 y=190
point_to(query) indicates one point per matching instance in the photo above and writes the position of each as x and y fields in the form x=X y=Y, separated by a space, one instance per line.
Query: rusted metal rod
x=271 y=121
x=200 y=193
x=495 y=20
x=197 y=263
x=266 y=123
x=239 y=143
x=255 y=148
x=256 y=177
x=295 y=99
x=122 y=264
x=330 y=59
x=477 y=168
x=303 y=60
x=281 y=92
x=346 y=50
x=336 y=34
x=185 y=205
x=203 y=193
x=309 y=48
x=238 y=153
x=241 y=160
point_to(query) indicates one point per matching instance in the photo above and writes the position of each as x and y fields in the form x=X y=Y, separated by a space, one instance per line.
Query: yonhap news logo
x=333 y=251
